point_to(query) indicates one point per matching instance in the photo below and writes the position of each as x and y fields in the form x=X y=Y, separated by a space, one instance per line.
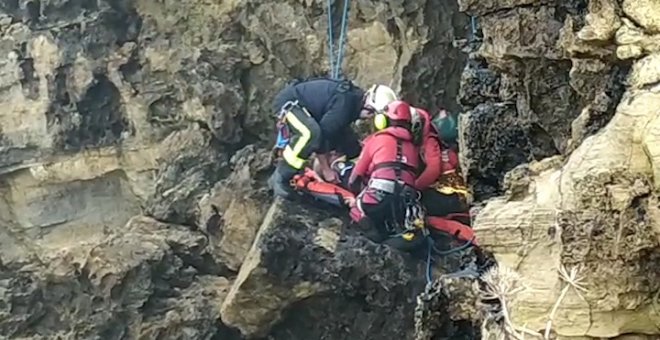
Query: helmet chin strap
x=400 y=123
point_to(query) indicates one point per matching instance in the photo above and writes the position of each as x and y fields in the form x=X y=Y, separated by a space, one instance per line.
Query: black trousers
x=439 y=204
x=379 y=214
x=391 y=209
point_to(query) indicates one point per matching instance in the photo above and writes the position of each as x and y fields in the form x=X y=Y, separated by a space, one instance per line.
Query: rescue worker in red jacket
x=431 y=151
x=423 y=132
x=389 y=202
x=439 y=162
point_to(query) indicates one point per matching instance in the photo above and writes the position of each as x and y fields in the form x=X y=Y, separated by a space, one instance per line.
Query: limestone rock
x=492 y=138
x=645 y=12
x=241 y=206
x=645 y=72
x=634 y=43
x=593 y=206
x=549 y=65
x=150 y=281
x=299 y=270
x=191 y=164
x=603 y=85
x=425 y=81
x=597 y=211
x=602 y=21
x=113 y=109
x=524 y=32
x=477 y=7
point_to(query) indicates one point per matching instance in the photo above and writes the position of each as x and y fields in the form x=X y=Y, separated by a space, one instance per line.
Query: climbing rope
x=335 y=64
x=475 y=31
x=431 y=250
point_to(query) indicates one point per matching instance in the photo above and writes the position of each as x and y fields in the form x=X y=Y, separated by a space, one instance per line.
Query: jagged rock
x=300 y=270
x=426 y=82
x=645 y=72
x=114 y=109
x=644 y=12
x=602 y=21
x=599 y=211
x=493 y=138
x=556 y=79
x=595 y=206
x=602 y=85
x=450 y=297
x=241 y=205
x=151 y=280
x=633 y=42
x=522 y=32
x=191 y=164
x=481 y=7
x=479 y=84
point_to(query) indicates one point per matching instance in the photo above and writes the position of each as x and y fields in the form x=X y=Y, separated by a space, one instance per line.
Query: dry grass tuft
x=502 y=284
x=573 y=278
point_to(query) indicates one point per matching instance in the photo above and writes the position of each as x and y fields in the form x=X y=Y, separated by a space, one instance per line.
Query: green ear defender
x=380 y=121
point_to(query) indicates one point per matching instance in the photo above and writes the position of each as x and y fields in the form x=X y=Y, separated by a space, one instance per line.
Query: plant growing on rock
x=573 y=278
x=500 y=284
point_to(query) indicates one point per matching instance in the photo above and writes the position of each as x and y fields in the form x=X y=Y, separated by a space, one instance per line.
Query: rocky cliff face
x=134 y=141
x=577 y=81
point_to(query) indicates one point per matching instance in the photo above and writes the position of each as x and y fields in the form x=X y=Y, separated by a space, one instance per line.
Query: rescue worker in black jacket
x=317 y=114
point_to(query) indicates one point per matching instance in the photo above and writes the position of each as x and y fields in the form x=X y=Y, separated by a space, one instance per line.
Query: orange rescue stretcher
x=308 y=183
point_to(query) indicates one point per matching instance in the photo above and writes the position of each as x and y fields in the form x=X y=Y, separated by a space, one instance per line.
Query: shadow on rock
x=305 y=269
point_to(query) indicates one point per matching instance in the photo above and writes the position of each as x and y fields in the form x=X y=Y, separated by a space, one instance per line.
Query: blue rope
x=432 y=248
x=342 y=40
x=429 y=277
x=331 y=47
x=335 y=65
x=454 y=250
x=473 y=26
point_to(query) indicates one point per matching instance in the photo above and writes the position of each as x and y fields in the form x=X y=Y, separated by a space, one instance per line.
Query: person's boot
x=280 y=180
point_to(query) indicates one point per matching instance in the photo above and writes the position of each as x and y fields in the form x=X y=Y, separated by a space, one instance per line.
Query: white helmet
x=378 y=97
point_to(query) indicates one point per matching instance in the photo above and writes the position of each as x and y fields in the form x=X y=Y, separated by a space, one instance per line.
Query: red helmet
x=399 y=110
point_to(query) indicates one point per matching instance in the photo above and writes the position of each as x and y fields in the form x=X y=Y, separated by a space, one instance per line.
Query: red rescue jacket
x=431 y=153
x=437 y=160
x=381 y=148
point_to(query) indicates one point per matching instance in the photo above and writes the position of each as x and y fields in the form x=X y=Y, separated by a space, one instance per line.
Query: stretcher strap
x=454 y=228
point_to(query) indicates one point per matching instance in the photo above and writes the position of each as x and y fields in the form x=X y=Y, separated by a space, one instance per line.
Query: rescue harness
x=414 y=215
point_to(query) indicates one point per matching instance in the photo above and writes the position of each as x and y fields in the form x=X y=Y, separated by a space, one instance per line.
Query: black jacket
x=334 y=104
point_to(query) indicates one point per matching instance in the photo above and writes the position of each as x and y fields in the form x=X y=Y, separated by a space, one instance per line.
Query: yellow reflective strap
x=292 y=155
x=292 y=159
x=449 y=190
x=408 y=236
